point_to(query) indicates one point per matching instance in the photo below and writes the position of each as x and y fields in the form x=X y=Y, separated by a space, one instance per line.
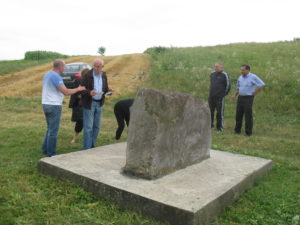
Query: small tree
x=101 y=50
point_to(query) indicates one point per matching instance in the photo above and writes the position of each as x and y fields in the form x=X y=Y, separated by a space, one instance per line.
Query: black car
x=72 y=72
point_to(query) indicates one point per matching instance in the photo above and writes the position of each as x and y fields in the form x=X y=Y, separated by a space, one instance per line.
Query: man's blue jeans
x=91 y=125
x=52 y=114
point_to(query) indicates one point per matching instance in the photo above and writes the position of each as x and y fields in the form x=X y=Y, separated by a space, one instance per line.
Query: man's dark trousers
x=244 y=106
x=217 y=103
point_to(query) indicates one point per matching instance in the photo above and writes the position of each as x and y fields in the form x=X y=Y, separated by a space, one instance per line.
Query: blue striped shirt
x=246 y=84
x=98 y=86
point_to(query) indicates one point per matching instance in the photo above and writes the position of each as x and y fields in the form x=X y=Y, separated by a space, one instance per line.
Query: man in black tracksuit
x=219 y=88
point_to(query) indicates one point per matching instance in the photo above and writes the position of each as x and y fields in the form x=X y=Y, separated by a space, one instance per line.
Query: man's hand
x=257 y=90
x=92 y=93
x=81 y=88
x=233 y=97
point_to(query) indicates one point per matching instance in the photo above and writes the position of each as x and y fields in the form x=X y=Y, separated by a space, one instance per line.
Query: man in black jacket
x=93 y=99
x=219 y=88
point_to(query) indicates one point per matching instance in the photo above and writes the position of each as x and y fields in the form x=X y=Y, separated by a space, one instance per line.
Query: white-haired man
x=93 y=99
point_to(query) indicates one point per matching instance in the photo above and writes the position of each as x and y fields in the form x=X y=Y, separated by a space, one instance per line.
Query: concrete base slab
x=191 y=196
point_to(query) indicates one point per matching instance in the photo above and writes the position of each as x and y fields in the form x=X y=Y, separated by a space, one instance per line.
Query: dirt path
x=124 y=73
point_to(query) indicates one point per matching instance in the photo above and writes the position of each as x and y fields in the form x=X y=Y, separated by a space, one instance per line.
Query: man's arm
x=67 y=91
x=259 y=85
x=106 y=85
x=257 y=90
x=227 y=84
x=235 y=94
x=87 y=91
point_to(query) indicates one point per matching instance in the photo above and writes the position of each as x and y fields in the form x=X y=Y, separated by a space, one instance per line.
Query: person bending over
x=122 y=113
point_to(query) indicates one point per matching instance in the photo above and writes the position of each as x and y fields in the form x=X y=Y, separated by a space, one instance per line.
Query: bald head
x=59 y=65
x=218 y=67
x=98 y=65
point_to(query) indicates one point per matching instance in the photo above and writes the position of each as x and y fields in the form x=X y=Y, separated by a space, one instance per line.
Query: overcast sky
x=130 y=26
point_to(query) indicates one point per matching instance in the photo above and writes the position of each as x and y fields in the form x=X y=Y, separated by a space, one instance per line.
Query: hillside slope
x=124 y=73
x=275 y=200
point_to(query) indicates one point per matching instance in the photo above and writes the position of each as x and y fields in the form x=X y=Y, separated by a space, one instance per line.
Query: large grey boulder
x=168 y=131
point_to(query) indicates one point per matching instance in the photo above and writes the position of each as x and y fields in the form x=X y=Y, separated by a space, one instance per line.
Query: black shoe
x=220 y=129
x=236 y=132
x=248 y=135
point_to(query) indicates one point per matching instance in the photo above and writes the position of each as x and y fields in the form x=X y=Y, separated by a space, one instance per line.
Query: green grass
x=39 y=55
x=28 y=197
x=11 y=66
x=32 y=58
x=276 y=198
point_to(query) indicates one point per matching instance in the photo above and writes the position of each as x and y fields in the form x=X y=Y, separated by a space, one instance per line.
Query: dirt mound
x=125 y=73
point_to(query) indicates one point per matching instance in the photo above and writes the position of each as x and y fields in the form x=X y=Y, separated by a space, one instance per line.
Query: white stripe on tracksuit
x=227 y=81
x=222 y=112
x=223 y=100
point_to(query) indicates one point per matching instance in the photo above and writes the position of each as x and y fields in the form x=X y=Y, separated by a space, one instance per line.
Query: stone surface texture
x=168 y=131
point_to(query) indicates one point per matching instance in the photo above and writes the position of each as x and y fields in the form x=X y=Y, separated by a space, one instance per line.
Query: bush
x=39 y=55
x=156 y=50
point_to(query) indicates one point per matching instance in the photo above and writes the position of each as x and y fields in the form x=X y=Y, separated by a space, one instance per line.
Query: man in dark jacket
x=93 y=99
x=122 y=113
x=219 y=88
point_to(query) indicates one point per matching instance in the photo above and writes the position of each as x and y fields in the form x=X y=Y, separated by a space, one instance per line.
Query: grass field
x=124 y=73
x=9 y=66
x=27 y=197
x=276 y=198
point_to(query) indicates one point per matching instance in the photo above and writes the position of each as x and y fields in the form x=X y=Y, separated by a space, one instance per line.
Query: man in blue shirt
x=248 y=85
x=52 y=98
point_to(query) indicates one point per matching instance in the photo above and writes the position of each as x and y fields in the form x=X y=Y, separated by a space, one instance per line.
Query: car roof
x=77 y=63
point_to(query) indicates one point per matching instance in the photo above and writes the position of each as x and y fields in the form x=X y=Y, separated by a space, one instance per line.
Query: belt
x=97 y=100
x=246 y=96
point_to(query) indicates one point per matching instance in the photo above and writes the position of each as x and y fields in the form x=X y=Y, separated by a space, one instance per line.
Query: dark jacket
x=88 y=83
x=219 y=84
x=74 y=99
x=122 y=108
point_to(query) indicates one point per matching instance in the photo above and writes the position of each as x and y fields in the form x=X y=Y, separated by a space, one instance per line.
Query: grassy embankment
x=31 y=58
x=276 y=198
x=27 y=197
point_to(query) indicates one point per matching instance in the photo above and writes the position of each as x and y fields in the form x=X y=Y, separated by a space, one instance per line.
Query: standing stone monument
x=168 y=131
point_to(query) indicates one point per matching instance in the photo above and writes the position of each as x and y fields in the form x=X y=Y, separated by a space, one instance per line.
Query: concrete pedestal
x=191 y=196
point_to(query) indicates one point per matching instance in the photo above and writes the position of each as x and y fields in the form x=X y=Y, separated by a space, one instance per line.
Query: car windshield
x=72 y=68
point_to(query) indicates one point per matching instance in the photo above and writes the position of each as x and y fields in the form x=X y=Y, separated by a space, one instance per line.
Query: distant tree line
x=39 y=55
x=297 y=39
x=156 y=50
